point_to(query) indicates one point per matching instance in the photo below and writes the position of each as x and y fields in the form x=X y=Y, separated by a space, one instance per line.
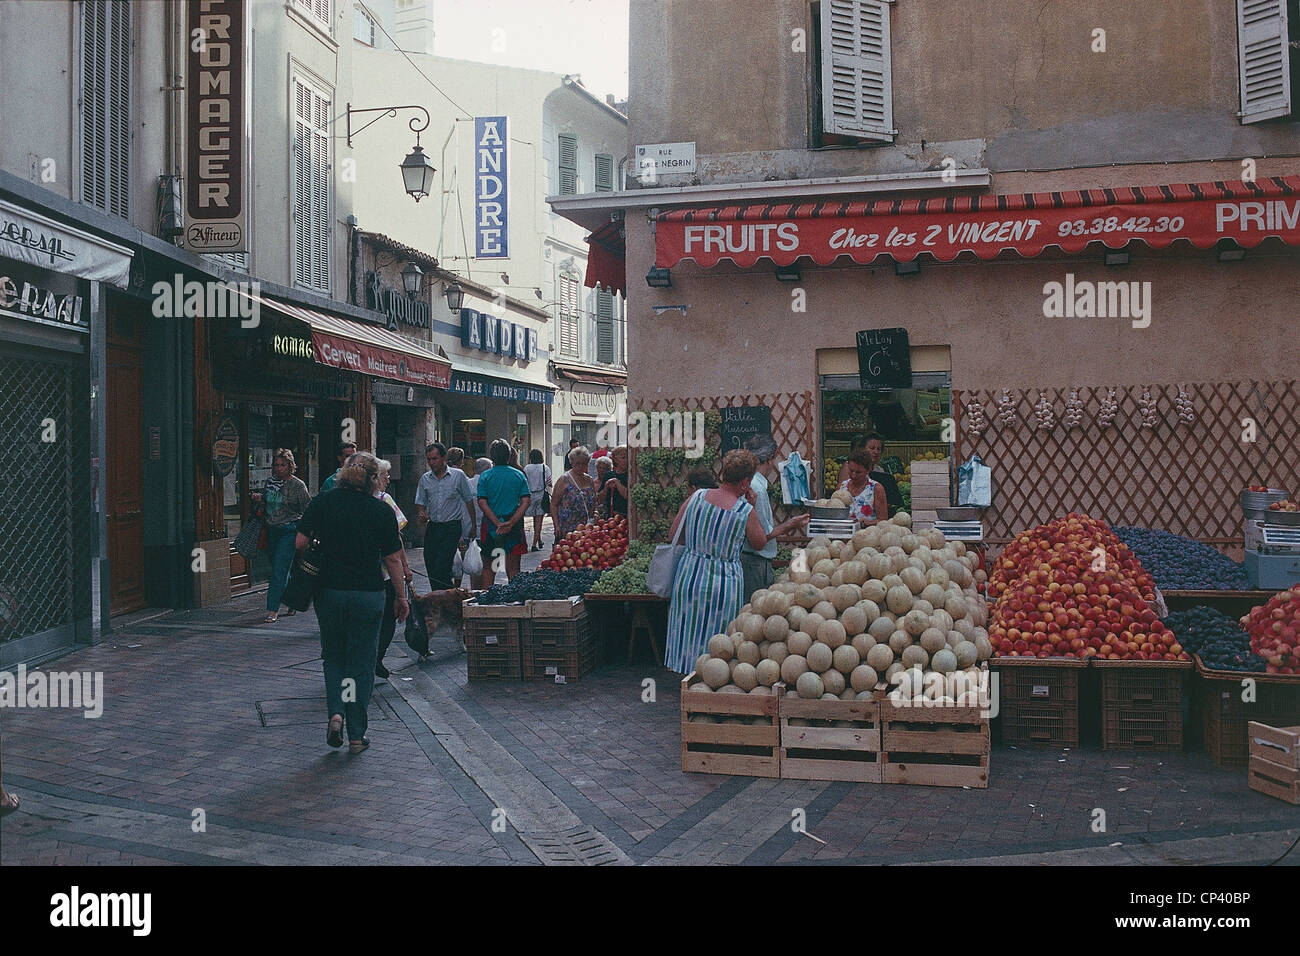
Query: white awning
x=32 y=238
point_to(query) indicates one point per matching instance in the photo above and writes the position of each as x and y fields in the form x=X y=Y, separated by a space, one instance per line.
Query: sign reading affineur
x=214 y=127
x=656 y=159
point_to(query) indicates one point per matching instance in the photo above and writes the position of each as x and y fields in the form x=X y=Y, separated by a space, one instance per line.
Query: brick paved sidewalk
x=210 y=710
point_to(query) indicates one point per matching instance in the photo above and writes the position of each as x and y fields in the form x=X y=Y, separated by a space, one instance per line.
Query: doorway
x=123 y=471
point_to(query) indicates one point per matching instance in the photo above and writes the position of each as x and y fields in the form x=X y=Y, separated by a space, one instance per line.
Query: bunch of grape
x=543 y=585
x=624 y=579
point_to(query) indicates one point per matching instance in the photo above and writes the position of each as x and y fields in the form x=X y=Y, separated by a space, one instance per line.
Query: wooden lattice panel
x=792 y=430
x=1182 y=478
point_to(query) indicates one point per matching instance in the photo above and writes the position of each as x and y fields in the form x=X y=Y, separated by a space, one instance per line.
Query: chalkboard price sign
x=884 y=359
x=748 y=426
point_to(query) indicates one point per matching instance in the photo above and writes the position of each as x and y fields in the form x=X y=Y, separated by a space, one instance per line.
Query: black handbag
x=245 y=542
x=417 y=628
x=304 y=578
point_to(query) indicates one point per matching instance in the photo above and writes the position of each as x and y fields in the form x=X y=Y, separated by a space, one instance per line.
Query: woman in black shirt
x=356 y=531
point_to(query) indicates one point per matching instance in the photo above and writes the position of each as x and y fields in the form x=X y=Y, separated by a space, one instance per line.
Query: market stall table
x=640 y=606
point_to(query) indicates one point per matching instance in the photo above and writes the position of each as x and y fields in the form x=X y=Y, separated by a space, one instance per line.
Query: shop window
x=568 y=323
x=605 y=350
x=311 y=199
x=851 y=83
x=604 y=173
x=106 y=106
x=1268 y=57
x=568 y=164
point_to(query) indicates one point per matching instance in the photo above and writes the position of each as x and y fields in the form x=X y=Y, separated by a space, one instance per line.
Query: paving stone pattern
x=586 y=767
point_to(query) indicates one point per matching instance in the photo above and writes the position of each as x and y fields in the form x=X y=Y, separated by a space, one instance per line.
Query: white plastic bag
x=457 y=569
x=473 y=563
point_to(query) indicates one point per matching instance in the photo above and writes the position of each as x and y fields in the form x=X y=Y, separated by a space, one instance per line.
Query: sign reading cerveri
x=77 y=690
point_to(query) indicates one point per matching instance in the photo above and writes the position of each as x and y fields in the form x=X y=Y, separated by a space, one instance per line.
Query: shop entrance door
x=124 y=467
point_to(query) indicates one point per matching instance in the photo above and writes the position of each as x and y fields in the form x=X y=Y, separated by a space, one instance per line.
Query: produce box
x=561 y=650
x=1274 y=766
x=492 y=648
x=564 y=608
x=830 y=739
x=928 y=468
x=1225 y=716
x=1142 y=704
x=751 y=747
x=934 y=746
x=471 y=609
x=1038 y=700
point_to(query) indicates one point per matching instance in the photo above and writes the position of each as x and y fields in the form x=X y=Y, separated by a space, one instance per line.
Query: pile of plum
x=1220 y=640
x=1181 y=564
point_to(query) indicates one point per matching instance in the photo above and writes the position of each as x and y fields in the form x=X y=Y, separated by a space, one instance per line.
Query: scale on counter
x=1272 y=554
x=960 y=530
x=833 y=528
x=1268 y=538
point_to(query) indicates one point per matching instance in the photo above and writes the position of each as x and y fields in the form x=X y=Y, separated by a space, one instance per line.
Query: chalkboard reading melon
x=884 y=359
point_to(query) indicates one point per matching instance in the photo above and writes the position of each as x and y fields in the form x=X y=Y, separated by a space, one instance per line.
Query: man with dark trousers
x=445 y=503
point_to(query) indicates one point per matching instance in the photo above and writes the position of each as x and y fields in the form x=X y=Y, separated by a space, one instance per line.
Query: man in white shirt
x=447 y=508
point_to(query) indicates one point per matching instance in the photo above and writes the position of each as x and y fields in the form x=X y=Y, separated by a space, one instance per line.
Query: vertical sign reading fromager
x=491 y=213
x=214 y=127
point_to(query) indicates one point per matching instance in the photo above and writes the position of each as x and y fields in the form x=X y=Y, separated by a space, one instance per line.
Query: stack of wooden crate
x=930 y=490
x=535 y=640
x=1038 y=700
x=1275 y=761
x=493 y=636
x=1142 y=704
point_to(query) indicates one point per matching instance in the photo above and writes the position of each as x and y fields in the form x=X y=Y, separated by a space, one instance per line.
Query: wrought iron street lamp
x=417 y=170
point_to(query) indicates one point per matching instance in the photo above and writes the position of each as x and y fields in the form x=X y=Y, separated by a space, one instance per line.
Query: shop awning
x=368 y=349
x=1202 y=214
x=606 y=255
x=588 y=376
x=490 y=386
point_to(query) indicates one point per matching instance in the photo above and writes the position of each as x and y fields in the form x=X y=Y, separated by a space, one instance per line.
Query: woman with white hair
x=391 y=587
x=356 y=532
x=573 y=502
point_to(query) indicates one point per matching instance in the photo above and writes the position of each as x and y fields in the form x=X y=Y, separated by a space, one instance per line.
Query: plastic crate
x=1159 y=728
x=1048 y=724
x=1143 y=687
x=559 y=648
x=492 y=649
x=1038 y=682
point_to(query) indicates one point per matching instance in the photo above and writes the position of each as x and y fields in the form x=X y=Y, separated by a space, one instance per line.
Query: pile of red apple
x=1071 y=588
x=1274 y=630
x=599 y=544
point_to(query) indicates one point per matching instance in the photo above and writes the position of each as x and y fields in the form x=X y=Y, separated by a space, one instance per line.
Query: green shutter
x=604 y=173
x=605 y=327
x=568 y=164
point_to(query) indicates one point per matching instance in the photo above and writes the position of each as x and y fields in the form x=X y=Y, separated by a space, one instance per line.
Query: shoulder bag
x=417 y=628
x=246 y=542
x=663 y=566
x=304 y=579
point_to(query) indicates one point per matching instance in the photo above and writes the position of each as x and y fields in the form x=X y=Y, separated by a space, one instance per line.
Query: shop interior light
x=1229 y=251
x=658 y=278
x=1117 y=257
x=907 y=268
x=411 y=277
x=788 y=274
x=455 y=297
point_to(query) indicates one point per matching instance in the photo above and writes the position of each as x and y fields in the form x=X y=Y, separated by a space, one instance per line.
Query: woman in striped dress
x=708 y=585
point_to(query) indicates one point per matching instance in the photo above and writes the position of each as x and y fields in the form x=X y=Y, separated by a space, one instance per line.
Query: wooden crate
x=1281 y=745
x=929 y=468
x=730 y=748
x=1274 y=779
x=1224 y=716
x=1142 y=704
x=934 y=746
x=560 y=650
x=566 y=608
x=492 y=648
x=1038 y=700
x=471 y=609
x=841 y=743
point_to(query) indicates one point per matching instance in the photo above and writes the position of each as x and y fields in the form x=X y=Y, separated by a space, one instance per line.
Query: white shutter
x=605 y=327
x=311 y=193
x=604 y=173
x=106 y=106
x=321 y=196
x=1263 y=63
x=568 y=316
x=568 y=164
x=301 y=184
x=857 y=97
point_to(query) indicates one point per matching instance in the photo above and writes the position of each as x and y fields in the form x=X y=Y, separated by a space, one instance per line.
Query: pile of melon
x=888 y=607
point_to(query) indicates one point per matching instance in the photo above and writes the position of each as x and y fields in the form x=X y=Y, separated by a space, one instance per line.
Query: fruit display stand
x=830 y=739
x=492 y=634
x=1142 y=703
x=1274 y=766
x=1038 y=700
x=729 y=733
x=934 y=746
x=1225 y=715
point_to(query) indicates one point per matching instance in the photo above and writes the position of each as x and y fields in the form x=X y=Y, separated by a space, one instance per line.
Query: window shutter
x=301 y=184
x=106 y=106
x=1263 y=63
x=605 y=327
x=857 y=97
x=569 y=315
x=604 y=173
x=320 y=196
x=568 y=164
x=311 y=197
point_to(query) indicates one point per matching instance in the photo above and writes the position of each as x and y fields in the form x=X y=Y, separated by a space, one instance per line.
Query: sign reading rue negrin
x=214 y=127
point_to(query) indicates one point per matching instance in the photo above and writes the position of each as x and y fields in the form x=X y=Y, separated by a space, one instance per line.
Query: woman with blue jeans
x=285 y=498
x=356 y=532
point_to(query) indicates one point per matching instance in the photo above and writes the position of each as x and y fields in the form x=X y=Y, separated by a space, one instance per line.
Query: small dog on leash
x=442 y=607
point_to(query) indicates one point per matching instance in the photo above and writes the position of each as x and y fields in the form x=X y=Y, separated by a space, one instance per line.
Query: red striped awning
x=944 y=227
x=606 y=255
